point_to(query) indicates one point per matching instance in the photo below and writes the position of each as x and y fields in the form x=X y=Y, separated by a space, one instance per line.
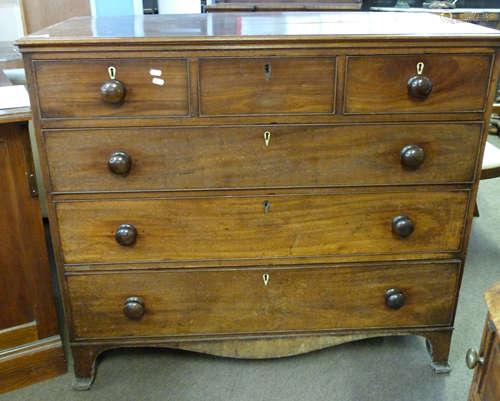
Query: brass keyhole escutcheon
x=267 y=71
x=265 y=277
x=267 y=137
x=112 y=72
x=113 y=91
x=266 y=205
x=420 y=68
x=420 y=86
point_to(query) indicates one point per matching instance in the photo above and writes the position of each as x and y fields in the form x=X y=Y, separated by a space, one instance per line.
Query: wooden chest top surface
x=242 y=27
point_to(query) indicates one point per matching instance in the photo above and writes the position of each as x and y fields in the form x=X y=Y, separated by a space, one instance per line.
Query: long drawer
x=241 y=157
x=253 y=227
x=379 y=84
x=125 y=304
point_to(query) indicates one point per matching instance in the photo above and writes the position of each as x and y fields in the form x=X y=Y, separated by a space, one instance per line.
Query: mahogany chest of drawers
x=259 y=185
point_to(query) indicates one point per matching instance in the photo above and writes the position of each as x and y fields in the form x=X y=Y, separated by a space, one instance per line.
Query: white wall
x=116 y=7
x=179 y=6
x=128 y=7
x=11 y=24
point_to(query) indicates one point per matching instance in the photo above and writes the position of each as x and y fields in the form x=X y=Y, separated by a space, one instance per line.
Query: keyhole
x=265 y=277
x=267 y=71
x=266 y=205
x=420 y=68
x=267 y=137
x=112 y=72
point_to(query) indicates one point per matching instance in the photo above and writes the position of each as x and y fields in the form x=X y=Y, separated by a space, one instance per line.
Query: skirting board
x=31 y=363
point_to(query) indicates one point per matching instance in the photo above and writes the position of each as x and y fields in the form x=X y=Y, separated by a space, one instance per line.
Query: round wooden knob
x=113 y=91
x=412 y=156
x=120 y=163
x=134 y=308
x=419 y=86
x=126 y=234
x=472 y=358
x=394 y=298
x=402 y=226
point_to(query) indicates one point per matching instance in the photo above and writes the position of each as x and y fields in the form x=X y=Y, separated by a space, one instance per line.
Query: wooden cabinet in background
x=38 y=14
x=282 y=5
x=30 y=346
x=486 y=381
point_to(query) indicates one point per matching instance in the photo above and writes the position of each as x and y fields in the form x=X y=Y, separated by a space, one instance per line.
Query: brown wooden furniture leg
x=84 y=364
x=438 y=344
x=85 y=356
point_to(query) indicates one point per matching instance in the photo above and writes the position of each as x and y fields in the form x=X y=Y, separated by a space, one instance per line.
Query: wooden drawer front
x=72 y=89
x=238 y=301
x=237 y=157
x=239 y=227
x=486 y=381
x=285 y=85
x=490 y=385
x=379 y=84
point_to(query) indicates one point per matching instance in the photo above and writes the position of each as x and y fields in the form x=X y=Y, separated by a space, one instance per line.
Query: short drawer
x=272 y=85
x=152 y=87
x=176 y=303
x=240 y=157
x=379 y=84
x=259 y=227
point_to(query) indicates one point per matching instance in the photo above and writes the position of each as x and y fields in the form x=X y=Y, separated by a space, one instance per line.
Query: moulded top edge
x=256 y=27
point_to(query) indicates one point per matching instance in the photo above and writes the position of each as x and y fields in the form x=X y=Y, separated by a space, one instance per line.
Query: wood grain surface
x=241 y=86
x=31 y=363
x=282 y=6
x=73 y=89
x=238 y=301
x=218 y=29
x=492 y=297
x=378 y=84
x=239 y=227
x=490 y=387
x=15 y=285
x=486 y=381
x=27 y=312
x=210 y=201
x=25 y=265
x=40 y=14
x=18 y=335
x=237 y=157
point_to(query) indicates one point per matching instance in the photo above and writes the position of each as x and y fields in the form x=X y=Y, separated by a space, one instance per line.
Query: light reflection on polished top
x=245 y=26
